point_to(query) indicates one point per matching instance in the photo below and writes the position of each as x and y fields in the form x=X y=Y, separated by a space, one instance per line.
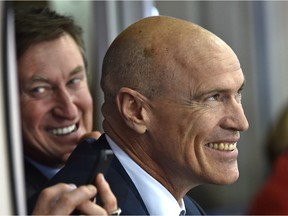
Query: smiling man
x=56 y=109
x=56 y=105
x=55 y=100
x=172 y=116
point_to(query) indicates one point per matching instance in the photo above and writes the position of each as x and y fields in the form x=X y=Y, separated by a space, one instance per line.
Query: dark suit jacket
x=78 y=170
x=34 y=179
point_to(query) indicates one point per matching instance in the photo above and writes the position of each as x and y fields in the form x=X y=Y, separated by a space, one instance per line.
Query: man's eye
x=215 y=97
x=38 y=90
x=239 y=97
x=74 y=81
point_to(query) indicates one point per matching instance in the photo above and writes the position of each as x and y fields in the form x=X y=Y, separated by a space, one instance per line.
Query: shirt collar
x=158 y=200
x=49 y=172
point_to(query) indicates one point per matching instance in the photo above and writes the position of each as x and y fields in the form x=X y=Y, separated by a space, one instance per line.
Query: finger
x=67 y=202
x=91 y=208
x=49 y=197
x=93 y=134
x=108 y=198
x=70 y=200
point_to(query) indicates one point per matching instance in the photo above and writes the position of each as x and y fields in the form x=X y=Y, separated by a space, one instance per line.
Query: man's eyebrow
x=241 y=87
x=33 y=80
x=77 y=70
x=216 y=90
x=37 y=78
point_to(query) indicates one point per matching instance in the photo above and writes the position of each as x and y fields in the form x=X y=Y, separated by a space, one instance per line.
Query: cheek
x=32 y=113
x=175 y=132
x=33 y=117
x=191 y=123
x=194 y=132
x=86 y=105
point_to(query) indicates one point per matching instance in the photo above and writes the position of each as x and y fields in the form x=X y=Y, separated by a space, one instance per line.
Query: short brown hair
x=37 y=24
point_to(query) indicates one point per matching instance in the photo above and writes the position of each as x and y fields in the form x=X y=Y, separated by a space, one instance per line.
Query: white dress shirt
x=158 y=200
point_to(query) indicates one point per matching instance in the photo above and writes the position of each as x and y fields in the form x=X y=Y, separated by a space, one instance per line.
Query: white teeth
x=63 y=131
x=223 y=146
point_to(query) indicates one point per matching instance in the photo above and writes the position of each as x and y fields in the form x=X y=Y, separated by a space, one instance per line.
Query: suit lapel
x=192 y=207
x=128 y=197
x=34 y=179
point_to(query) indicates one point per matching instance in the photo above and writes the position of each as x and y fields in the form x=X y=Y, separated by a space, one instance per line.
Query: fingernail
x=102 y=178
x=72 y=187
x=91 y=188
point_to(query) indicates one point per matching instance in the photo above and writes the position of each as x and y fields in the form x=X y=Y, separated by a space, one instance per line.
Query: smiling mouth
x=63 y=131
x=223 y=146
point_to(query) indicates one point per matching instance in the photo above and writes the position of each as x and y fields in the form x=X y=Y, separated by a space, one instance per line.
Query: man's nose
x=65 y=106
x=235 y=118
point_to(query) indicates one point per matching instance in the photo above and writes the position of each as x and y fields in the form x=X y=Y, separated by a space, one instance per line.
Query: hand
x=93 y=134
x=65 y=198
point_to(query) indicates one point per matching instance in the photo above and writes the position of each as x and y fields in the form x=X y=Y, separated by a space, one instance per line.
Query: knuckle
x=87 y=189
x=65 y=200
x=49 y=191
x=45 y=194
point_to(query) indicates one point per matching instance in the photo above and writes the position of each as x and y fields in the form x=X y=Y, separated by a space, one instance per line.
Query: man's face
x=195 y=126
x=56 y=105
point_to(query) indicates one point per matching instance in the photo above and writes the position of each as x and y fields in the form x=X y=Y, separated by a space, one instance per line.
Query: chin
x=227 y=178
x=223 y=177
x=228 y=174
x=230 y=181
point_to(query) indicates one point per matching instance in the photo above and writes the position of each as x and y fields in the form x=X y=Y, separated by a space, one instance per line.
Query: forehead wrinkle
x=233 y=84
x=192 y=58
x=217 y=64
x=193 y=66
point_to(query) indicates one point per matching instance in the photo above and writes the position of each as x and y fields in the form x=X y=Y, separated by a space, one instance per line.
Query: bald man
x=172 y=116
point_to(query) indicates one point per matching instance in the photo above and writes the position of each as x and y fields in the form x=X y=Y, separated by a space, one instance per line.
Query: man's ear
x=131 y=109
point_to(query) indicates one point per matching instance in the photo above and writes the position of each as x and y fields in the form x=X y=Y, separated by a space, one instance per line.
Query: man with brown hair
x=56 y=108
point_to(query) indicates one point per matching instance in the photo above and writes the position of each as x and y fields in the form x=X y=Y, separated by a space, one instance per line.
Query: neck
x=139 y=150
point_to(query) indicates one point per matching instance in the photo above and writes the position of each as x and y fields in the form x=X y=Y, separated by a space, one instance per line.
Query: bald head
x=173 y=90
x=155 y=49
